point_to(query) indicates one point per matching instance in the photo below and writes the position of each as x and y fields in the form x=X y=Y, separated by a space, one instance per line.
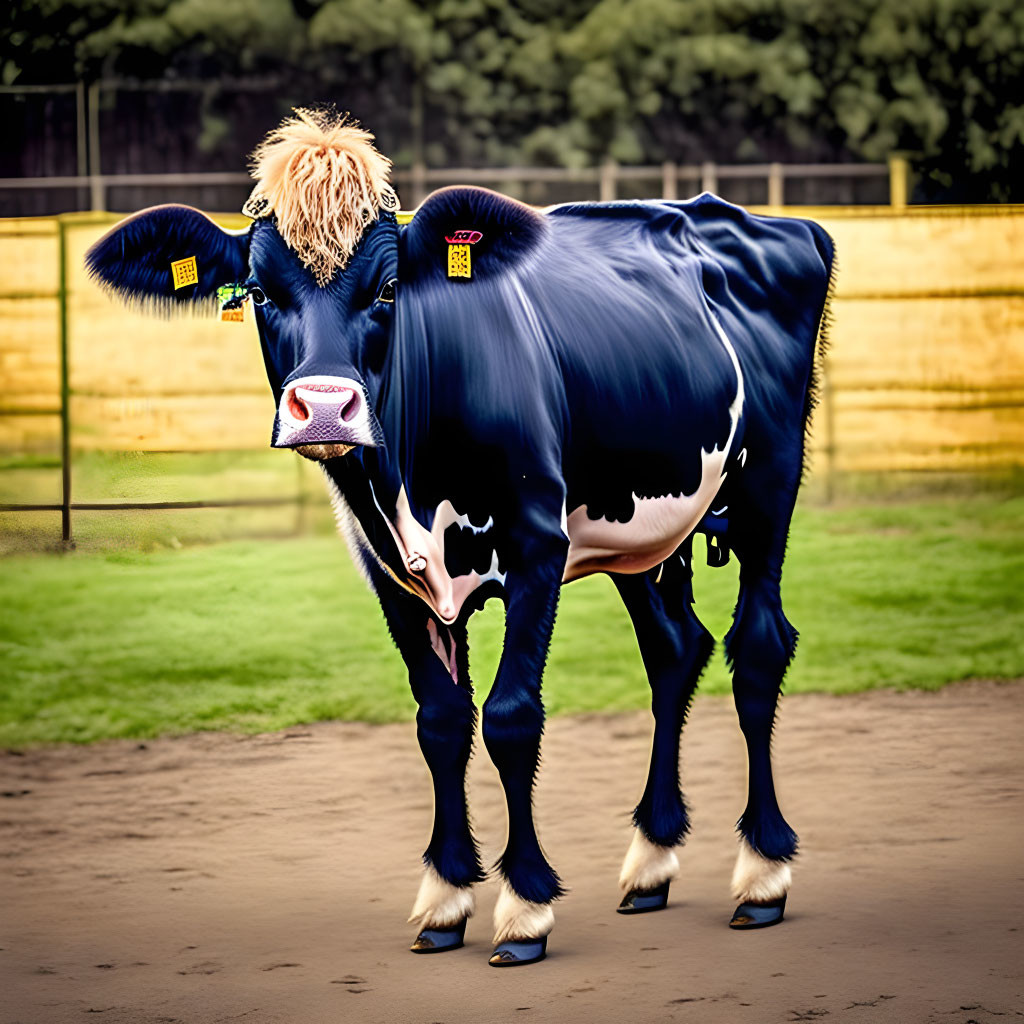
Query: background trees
x=492 y=82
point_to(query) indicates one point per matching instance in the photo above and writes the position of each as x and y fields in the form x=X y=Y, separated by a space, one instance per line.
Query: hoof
x=758 y=915
x=643 y=901
x=440 y=940
x=519 y=953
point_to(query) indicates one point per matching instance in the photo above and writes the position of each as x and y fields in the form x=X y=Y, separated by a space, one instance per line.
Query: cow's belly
x=657 y=527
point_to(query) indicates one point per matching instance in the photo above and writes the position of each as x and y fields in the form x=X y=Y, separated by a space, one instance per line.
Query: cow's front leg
x=513 y=720
x=438 y=663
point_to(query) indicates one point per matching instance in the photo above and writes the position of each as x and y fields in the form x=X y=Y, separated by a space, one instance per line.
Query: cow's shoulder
x=502 y=232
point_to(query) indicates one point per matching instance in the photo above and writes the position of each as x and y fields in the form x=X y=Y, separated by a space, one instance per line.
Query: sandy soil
x=221 y=878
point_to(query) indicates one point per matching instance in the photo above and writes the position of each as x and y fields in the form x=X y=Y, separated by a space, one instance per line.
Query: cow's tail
x=827 y=251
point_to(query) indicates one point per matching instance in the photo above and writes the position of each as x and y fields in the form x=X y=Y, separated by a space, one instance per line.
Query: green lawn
x=256 y=635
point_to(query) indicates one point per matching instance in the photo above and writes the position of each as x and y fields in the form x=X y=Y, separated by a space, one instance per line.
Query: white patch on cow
x=647 y=865
x=443 y=593
x=437 y=643
x=756 y=879
x=439 y=904
x=516 y=919
x=658 y=525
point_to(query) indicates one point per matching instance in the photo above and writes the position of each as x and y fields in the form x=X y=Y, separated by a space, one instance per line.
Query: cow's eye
x=387 y=293
x=258 y=295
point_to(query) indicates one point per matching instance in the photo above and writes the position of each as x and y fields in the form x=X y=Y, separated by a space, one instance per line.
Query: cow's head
x=319 y=264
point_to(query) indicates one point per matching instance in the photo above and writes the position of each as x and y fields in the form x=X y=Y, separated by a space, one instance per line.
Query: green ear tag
x=232 y=299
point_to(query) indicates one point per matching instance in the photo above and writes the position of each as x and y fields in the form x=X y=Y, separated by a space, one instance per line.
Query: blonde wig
x=324 y=181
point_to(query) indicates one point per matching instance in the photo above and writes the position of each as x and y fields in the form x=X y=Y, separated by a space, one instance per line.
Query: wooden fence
x=925 y=370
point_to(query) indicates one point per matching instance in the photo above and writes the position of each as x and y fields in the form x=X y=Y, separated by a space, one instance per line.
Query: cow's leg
x=759 y=646
x=675 y=647
x=513 y=720
x=438 y=663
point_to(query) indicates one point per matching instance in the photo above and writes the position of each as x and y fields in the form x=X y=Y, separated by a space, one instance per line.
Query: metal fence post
x=776 y=185
x=96 y=186
x=81 y=139
x=669 y=180
x=606 y=182
x=708 y=177
x=899 y=174
x=301 y=498
x=829 y=410
x=67 y=540
x=418 y=183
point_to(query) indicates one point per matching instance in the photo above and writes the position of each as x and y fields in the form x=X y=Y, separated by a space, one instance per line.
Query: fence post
x=669 y=180
x=899 y=175
x=418 y=183
x=301 y=498
x=67 y=540
x=96 y=187
x=776 y=185
x=81 y=140
x=606 y=182
x=828 y=408
x=708 y=177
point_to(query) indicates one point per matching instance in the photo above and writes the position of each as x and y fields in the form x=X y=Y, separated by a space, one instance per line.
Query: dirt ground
x=219 y=878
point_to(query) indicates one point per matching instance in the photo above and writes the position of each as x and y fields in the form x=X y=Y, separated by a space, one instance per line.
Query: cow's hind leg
x=759 y=647
x=675 y=647
x=438 y=663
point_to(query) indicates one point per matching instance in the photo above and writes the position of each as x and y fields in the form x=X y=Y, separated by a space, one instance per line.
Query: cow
x=503 y=400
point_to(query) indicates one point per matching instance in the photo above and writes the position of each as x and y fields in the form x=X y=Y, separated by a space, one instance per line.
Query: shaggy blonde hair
x=322 y=178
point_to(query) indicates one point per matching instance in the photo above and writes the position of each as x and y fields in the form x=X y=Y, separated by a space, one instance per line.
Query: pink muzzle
x=323 y=411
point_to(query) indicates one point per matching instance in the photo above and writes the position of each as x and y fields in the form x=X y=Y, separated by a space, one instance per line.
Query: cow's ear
x=167 y=258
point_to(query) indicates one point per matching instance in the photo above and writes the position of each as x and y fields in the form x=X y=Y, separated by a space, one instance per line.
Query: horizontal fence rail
x=925 y=370
x=416 y=181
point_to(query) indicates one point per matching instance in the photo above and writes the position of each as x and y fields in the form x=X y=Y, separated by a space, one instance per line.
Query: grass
x=252 y=635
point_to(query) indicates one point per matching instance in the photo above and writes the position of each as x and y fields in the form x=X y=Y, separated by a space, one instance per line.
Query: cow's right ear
x=167 y=258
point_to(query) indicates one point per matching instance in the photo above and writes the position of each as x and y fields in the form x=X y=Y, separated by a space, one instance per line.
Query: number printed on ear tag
x=459 y=262
x=184 y=272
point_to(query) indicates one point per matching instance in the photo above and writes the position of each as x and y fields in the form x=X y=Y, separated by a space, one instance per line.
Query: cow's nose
x=303 y=404
x=323 y=411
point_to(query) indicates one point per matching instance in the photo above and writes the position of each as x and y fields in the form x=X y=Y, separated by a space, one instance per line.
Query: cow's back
x=624 y=341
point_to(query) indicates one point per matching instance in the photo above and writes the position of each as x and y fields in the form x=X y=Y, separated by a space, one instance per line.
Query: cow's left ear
x=167 y=258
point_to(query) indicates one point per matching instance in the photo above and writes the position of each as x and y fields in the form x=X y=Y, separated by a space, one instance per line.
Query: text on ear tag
x=459 y=263
x=184 y=272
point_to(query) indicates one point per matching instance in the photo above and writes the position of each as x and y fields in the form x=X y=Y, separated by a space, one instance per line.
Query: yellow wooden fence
x=925 y=370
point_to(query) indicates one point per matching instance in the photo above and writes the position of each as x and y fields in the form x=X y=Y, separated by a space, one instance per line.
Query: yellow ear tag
x=459 y=263
x=184 y=272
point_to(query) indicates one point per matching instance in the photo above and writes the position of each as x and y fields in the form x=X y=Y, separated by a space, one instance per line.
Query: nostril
x=350 y=406
x=297 y=407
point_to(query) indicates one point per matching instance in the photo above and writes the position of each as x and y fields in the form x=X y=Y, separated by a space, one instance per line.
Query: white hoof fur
x=439 y=904
x=516 y=919
x=757 y=879
x=647 y=865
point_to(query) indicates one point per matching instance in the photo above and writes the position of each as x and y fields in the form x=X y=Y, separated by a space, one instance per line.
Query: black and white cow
x=505 y=400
